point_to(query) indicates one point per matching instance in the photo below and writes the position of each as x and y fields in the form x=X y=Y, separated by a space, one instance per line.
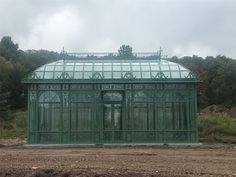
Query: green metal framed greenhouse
x=100 y=100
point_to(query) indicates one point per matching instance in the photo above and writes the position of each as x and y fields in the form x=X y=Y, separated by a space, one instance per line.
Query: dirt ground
x=120 y=161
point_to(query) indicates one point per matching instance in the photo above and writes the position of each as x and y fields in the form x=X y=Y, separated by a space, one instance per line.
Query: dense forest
x=218 y=76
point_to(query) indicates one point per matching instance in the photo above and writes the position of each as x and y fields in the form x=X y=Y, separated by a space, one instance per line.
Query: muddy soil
x=109 y=162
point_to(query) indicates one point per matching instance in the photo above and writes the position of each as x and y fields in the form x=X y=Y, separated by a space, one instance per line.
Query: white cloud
x=55 y=31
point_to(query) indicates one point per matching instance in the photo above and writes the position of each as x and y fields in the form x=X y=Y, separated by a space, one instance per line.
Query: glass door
x=112 y=122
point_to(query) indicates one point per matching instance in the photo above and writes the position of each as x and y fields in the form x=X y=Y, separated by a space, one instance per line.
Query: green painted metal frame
x=95 y=135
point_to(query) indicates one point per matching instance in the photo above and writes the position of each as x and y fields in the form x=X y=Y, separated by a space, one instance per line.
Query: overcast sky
x=181 y=27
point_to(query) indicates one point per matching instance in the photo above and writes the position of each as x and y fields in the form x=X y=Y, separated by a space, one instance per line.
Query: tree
x=8 y=49
x=125 y=51
x=5 y=113
x=223 y=85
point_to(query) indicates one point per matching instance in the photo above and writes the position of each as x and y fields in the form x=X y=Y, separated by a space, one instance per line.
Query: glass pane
x=137 y=75
x=116 y=68
x=184 y=74
x=140 y=116
x=116 y=75
x=59 y=68
x=48 y=75
x=146 y=75
x=136 y=67
x=84 y=119
x=125 y=67
x=98 y=68
x=117 y=116
x=175 y=74
x=145 y=67
x=181 y=67
x=87 y=75
x=55 y=117
x=155 y=67
x=73 y=122
x=49 y=68
x=107 y=68
x=44 y=117
x=78 y=75
x=107 y=75
x=174 y=67
x=70 y=74
x=88 y=67
x=78 y=68
x=166 y=74
x=165 y=67
x=39 y=74
x=57 y=75
x=107 y=63
x=107 y=116
x=69 y=68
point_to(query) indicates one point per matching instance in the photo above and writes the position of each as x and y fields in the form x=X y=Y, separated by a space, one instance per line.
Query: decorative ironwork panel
x=112 y=87
x=81 y=96
x=49 y=87
x=65 y=87
x=33 y=96
x=81 y=86
x=33 y=87
x=143 y=86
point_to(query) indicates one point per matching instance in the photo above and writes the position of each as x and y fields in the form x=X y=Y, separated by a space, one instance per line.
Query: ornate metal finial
x=63 y=53
x=160 y=52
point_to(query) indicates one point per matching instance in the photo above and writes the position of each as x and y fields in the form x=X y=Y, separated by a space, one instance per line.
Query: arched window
x=49 y=96
x=112 y=96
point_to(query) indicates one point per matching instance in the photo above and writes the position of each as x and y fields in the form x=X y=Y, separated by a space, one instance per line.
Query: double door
x=112 y=122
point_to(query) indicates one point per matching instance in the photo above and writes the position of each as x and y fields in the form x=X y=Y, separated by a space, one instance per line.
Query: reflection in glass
x=107 y=116
x=117 y=116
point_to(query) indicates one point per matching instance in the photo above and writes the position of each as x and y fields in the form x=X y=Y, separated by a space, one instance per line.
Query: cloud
x=181 y=27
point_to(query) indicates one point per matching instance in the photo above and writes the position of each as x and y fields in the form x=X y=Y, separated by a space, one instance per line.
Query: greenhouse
x=101 y=100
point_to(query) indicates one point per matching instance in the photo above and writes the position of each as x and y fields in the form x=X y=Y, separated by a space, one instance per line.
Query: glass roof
x=111 y=69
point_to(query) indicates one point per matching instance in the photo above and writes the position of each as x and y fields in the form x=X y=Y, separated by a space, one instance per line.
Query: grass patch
x=12 y=133
x=17 y=126
x=217 y=127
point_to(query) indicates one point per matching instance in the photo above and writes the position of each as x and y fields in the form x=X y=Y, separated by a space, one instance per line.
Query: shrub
x=217 y=127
